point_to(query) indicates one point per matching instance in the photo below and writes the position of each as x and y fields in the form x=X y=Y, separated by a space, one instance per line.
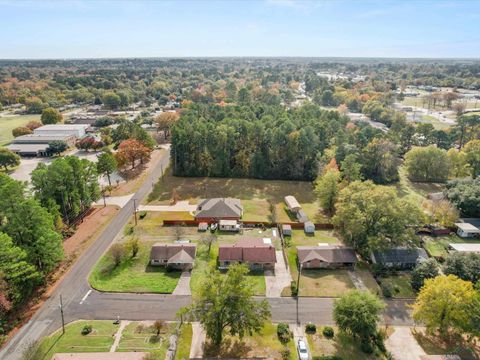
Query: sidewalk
x=198 y=339
x=183 y=285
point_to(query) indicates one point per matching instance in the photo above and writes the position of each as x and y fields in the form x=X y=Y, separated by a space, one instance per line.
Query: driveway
x=276 y=281
x=182 y=206
x=403 y=345
x=299 y=334
x=198 y=339
x=183 y=285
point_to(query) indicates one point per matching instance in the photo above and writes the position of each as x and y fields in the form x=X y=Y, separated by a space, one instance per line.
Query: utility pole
x=103 y=194
x=61 y=313
x=135 y=210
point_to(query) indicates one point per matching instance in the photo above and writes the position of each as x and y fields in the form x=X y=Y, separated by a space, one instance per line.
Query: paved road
x=81 y=302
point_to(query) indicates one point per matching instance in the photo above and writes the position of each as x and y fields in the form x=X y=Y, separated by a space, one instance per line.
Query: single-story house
x=292 y=204
x=211 y=210
x=401 y=258
x=101 y=356
x=257 y=253
x=203 y=226
x=302 y=216
x=330 y=256
x=228 y=225
x=309 y=227
x=286 y=230
x=465 y=247
x=178 y=256
x=466 y=230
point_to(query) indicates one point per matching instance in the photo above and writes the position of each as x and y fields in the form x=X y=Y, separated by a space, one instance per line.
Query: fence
x=320 y=226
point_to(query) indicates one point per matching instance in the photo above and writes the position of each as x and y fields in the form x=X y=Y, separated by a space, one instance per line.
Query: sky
x=322 y=28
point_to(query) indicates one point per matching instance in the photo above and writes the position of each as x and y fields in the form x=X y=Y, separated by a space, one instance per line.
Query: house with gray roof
x=214 y=209
x=326 y=256
x=399 y=258
x=178 y=256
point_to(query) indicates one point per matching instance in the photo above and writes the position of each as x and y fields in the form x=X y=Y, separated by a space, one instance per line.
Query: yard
x=321 y=282
x=300 y=238
x=340 y=345
x=133 y=275
x=415 y=191
x=256 y=195
x=204 y=260
x=436 y=246
x=10 y=122
x=259 y=346
x=141 y=336
x=399 y=285
x=151 y=226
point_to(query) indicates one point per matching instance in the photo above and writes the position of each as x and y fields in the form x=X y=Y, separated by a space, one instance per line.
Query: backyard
x=415 y=191
x=300 y=238
x=133 y=274
x=437 y=246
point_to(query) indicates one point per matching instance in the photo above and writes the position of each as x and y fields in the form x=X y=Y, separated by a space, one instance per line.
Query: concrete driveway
x=183 y=285
x=403 y=345
x=276 y=281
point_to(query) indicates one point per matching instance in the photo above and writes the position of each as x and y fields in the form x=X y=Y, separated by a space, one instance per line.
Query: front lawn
x=320 y=282
x=399 y=284
x=436 y=246
x=363 y=272
x=265 y=345
x=340 y=345
x=133 y=275
x=99 y=340
x=139 y=336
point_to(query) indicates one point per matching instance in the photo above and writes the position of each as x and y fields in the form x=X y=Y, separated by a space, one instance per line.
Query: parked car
x=302 y=350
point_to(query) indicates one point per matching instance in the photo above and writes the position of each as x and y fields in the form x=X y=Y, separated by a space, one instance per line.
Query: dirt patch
x=135 y=177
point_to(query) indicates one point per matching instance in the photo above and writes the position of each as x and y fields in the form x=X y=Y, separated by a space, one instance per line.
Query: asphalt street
x=82 y=302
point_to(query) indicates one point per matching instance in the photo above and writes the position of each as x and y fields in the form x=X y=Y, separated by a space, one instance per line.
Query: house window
x=227 y=263
x=155 y=261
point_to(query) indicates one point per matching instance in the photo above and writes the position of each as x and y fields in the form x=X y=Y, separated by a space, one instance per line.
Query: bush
x=283 y=333
x=366 y=347
x=87 y=329
x=328 y=332
x=294 y=288
x=142 y=214
x=128 y=230
x=386 y=290
x=285 y=353
x=311 y=328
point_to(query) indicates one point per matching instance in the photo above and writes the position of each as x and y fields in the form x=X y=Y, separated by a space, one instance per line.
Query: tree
x=208 y=239
x=457 y=163
x=226 y=304
x=465 y=195
x=463 y=266
x=380 y=161
x=111 y=100
x=57 y=147
x=326 y=189
x=158 y=326
x=51 y=116
x=442 y=212
x=127 y=130
x=106 y=165
x=351 y=168
x=472 y=152
x=357 y=313
x=117 y=253
x=165 y=121
x=427 y=164
x=371 y=216
x=132 y=246
x=21 y=130
x=425 y=270
x=8 y=158
x=130 y=151
x=32 y=125
x=34 y=105
x=442 y=303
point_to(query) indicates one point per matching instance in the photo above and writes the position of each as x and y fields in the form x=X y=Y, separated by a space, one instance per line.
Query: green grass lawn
x=184 y=342
x=321 y=282
x=340 y=345
x=299 y=238
x=151 y=226
x=10 y=122
x=256 y=210
x=264 y=345
x=363 y=271
x=436 y=246
x=415 y=191
x=140 y=337
x=400 y=285
x=133 y=275
x=99 y=340
x=204 y=261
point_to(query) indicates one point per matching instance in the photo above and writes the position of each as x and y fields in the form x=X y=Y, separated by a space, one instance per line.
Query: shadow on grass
x=453 y=345
x=229 y=349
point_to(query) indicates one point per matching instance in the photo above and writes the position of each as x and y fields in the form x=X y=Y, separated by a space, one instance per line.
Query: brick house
x=212 y=210
x=322 y=257
x=258 y=254
x=175 y=256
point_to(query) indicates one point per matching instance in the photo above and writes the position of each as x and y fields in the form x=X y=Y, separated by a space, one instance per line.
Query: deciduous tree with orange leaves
x=130 y=151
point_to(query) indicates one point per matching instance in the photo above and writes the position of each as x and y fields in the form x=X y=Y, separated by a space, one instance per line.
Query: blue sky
x=83 y=29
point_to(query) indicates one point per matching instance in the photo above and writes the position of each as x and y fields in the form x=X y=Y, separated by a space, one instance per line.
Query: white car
x=302 y=350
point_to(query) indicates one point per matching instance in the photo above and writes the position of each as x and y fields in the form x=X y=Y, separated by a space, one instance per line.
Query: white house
x=77 y=130
x=466 y=230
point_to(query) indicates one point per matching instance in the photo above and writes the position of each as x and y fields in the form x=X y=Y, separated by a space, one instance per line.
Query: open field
x=256 y=195
x=340 y=345
x=320 y=282
x=415 y=191
x=400 y=285
x=265 y=345
x=10 y=122
x=133 y=275
x=436 y=246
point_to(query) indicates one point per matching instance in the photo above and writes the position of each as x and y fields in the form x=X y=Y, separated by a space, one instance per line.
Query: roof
x=400 y=255
x=467 y=227
x=291 y=202
x=227 y=222
x=219 y=208
x=184 y=253
x=302 y=216
x=203 y=225
x=249 y=250
x=100 y=356
x=329 y=254
x=27 y=147
x=286 y=227
x=63 y=127
x=39 y=139
x=465 y=247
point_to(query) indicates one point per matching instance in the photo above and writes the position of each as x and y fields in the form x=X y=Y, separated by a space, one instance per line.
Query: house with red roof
x=257 y=253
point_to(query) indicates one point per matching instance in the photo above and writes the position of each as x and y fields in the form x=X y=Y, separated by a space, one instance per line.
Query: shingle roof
x=162 y=251
x=400 y=255
x=329 y=254
x=219 y=208
x=249 y=250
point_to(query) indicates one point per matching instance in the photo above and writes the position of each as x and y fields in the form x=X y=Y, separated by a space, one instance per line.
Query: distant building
x=399 y=258
x=77 y=130
x=329 y=256
x=466 y=230
x=465 y=247
x=37 y=145
x=214 y=209
x=176 y=256
x=257 y=253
